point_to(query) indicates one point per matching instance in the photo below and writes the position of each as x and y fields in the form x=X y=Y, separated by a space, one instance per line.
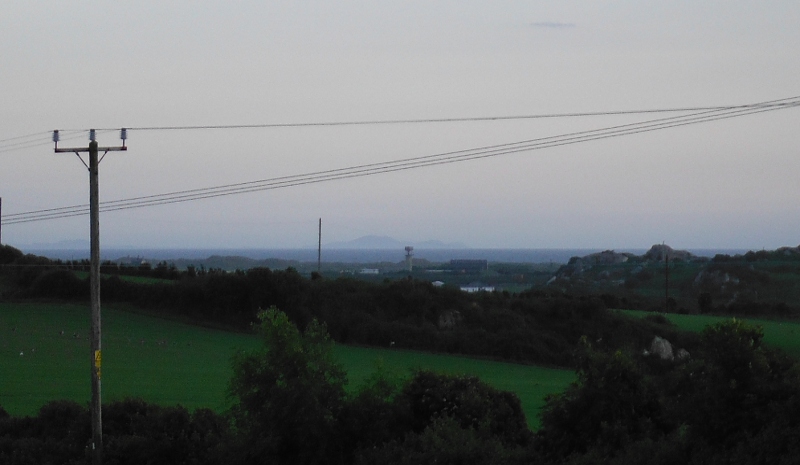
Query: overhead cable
x=403 y=164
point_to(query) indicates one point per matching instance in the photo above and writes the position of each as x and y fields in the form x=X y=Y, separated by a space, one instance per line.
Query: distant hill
x=386 y=242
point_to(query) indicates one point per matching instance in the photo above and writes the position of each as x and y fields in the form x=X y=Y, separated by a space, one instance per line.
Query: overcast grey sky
x=724 y=184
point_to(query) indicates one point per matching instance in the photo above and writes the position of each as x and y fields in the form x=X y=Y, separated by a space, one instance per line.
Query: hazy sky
x=726 y=184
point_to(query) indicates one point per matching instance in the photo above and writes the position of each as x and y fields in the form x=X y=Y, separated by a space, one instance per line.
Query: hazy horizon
x=353 y=244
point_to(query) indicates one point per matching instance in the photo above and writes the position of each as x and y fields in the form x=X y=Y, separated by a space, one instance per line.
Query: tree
x=705 y=302
x=611 y=405
x=9 y=254
x=470 y=402
x=447 y=419
x=289 y=394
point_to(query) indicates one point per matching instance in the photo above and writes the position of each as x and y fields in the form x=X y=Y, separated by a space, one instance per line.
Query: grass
x=169 y=362
x=161 y=361
x=530 y=383
x=782 y=334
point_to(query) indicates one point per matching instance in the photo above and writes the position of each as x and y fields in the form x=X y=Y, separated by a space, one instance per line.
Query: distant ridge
x=386 y=242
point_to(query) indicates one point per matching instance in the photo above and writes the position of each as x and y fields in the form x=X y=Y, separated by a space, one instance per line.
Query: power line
x=439 y=120
x=43 y=138
x=27 y=136
x=404 y=164
x=361 y=170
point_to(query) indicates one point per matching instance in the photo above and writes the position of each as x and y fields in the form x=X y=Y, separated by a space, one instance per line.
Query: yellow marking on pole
x=98 y=361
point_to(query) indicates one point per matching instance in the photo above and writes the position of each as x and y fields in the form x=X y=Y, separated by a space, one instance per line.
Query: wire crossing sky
x=707 y=115
x=538 y=125
x=43 y=138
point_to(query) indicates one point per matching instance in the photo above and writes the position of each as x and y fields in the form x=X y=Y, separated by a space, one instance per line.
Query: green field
x=783 y=334
x=170 y=363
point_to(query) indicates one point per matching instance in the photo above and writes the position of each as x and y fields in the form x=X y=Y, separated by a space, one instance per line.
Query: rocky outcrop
x=606 y=257
x=659 y=252
x=716 y=282
x=602 y=266
x=663 y=348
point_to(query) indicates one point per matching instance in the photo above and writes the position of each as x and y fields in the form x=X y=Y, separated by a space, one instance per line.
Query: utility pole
x=94 y=279
x=1 y=220
x=666 y=281
x=319 y=247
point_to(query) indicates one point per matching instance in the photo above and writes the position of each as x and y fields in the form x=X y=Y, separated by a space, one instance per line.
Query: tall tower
x=409 y=255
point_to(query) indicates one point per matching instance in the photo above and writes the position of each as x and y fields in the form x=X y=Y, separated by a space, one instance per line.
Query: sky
x=730 y=183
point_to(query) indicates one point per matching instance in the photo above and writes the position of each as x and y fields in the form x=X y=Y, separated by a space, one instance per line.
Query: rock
x=789 y=251
x=606 y=257
x=449 y=319
x=683 y=354
x=659 y=252
x=662 y=348
x=715 y=281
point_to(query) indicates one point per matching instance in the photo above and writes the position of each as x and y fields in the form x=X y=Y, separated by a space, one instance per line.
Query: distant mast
x=409 y=254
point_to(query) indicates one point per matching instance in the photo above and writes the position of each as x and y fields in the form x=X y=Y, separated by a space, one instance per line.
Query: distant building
x=477 y=287
x=369 y=271
x=438 y=283
x=469 y=266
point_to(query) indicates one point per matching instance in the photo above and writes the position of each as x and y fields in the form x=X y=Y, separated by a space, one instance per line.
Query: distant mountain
x=386 y=242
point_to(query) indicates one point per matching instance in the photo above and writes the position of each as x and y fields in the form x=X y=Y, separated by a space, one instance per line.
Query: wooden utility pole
x=666 y=281
x=1 y=220
x=319 y=248
x=94 y=297
x=94 y=281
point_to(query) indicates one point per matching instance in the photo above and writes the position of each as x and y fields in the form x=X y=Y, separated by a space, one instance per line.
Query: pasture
x=44 y=355
x=782 y=334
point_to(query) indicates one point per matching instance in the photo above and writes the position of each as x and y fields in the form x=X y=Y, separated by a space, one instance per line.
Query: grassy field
x=783 y=334
x=44 y=355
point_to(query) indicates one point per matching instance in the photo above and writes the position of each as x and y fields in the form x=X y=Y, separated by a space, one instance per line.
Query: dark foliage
x=733 y=402
x=134 y=433
x=9 y=254
x=289 y=395
x=469 y=402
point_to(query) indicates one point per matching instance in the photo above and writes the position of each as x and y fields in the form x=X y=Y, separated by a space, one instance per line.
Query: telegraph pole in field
x=94 y=279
